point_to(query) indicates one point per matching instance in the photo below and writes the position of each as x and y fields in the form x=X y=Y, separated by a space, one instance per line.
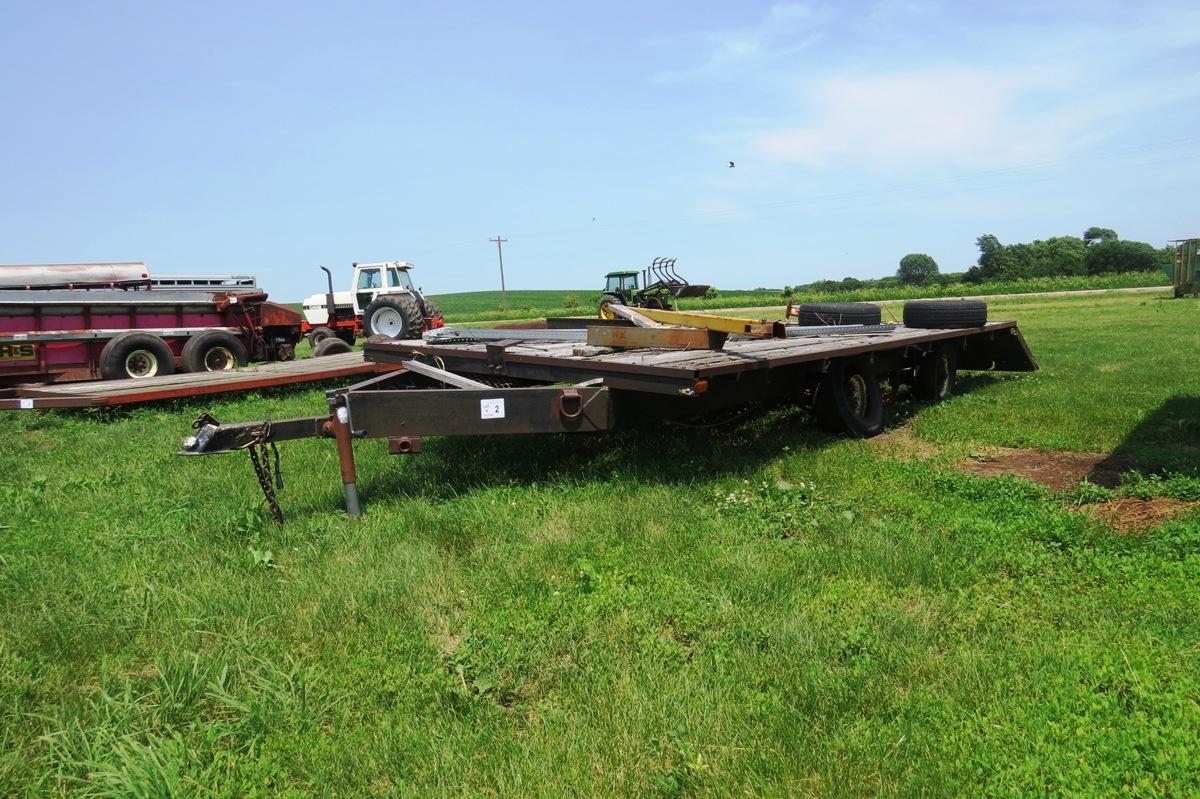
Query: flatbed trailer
x=101 y=393
x=515 y=386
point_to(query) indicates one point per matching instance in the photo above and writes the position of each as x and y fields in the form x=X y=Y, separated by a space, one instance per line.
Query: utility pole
x=500 y=251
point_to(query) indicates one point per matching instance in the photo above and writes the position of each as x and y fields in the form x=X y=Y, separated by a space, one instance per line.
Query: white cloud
x=974 y=109
x=957 y=116
x=785 y=29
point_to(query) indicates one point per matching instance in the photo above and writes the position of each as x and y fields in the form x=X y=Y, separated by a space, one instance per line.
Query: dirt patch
x=1057 y=471
x=1137 y=514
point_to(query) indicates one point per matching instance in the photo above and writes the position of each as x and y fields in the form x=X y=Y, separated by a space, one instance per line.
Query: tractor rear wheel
x=607 y=300
x=433 y=311
x=394 y=317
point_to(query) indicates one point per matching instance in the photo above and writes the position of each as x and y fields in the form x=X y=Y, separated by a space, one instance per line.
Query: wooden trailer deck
x=998 y=345
x=125 y=392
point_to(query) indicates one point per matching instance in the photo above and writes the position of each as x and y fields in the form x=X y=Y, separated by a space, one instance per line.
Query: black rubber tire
x=411 y=321
x=346 y=336
x=433 y=311
x=812 y=314
x=213 y=351
x=317 y=335
x=653 y=303
x=945 y=314
x=331 y=346
x=849 y=400
x=935 y=375
x=608 y=299
x=115 y=363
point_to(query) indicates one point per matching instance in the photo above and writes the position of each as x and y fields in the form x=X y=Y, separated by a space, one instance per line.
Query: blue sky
x=269 y=138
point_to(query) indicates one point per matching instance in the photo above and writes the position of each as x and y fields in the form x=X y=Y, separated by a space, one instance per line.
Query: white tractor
x=382 y=301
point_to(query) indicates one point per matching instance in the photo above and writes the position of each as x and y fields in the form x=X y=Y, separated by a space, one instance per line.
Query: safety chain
x=262 y=454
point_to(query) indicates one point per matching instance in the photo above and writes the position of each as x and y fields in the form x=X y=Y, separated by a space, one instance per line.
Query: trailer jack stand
x=340 y=422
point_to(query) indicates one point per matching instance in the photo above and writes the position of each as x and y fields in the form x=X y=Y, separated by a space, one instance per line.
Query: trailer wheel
x=607 y=300
x=136 y=355
x=935 y=374
x=213 y=351
x=849 y=400
x=317 y=335
x=945 y=314
x=331 y=346
x=813 y=314
x=346 y=336
x=394 y=317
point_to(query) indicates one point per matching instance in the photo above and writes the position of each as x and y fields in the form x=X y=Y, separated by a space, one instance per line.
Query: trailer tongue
x=461 y=387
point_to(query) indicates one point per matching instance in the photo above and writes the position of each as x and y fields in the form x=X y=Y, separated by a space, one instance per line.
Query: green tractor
x=660 y=286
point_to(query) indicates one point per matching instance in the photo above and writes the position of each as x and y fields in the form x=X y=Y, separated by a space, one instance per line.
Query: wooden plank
x=625 y=312
x=449 y=378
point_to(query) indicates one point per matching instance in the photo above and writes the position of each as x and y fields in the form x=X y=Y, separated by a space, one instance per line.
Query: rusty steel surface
x=470 y=412
x=272 y=314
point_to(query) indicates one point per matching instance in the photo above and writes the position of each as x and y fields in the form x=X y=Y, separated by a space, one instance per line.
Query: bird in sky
x=731 y=165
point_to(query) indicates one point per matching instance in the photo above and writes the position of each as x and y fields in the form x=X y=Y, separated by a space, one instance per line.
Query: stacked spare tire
x=946 y=314
x=817 y=314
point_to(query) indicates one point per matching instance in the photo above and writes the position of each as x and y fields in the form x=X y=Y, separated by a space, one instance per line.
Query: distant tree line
x=1098 y=251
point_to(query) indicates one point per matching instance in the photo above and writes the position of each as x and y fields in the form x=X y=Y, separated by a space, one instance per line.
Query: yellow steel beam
x=721 y=324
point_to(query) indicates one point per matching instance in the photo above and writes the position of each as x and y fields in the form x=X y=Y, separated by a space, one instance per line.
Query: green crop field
x=753 y=609
x=474 y=306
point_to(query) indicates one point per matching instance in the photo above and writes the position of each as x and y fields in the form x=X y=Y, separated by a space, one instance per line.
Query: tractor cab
x=621 y=284
x=371 y=280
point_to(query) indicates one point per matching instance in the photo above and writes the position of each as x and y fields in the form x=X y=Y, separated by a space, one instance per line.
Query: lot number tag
x=491 y=409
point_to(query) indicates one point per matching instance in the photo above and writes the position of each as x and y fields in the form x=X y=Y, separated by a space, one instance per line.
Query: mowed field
x=752 y=609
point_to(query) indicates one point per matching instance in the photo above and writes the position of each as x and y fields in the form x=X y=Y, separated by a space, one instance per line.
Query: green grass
x=755 y=609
